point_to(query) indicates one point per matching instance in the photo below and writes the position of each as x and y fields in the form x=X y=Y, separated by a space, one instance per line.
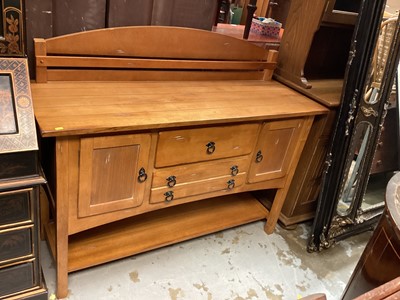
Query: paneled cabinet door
x=112 y=173
x=275 y=148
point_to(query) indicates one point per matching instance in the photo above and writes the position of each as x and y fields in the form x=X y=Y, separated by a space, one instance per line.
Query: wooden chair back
x=150 y=53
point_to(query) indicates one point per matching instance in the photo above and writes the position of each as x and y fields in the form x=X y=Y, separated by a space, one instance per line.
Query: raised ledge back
x=150 y=53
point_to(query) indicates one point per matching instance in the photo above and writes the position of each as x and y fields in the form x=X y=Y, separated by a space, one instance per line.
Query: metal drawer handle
x=171 y=181
x=210 y=147
x=169 y=196
x=231 y=184
x=142 y=175
x=259 y=157
x=234 y=170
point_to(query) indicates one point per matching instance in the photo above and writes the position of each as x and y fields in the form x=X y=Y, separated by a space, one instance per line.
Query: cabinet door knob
x=171 y=181
x=169 y=196
x=142 y=175
x=234 y=170
x=259 y=157
x=231 y=184
x=210 y=147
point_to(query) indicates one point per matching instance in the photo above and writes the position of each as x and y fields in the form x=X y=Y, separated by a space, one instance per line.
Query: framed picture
x=17 y=123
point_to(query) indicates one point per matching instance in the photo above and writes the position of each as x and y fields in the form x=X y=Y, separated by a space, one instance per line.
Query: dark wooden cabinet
x=20 y=270
x=379 y=262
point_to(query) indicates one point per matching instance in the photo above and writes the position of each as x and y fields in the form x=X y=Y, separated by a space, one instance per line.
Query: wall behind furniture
x=48 y=18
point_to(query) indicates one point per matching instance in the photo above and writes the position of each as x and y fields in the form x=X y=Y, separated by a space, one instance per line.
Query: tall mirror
x=343 y=208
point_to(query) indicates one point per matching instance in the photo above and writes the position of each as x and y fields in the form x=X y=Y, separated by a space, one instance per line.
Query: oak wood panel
x=154 y=42
x=277 y=143
x=109 y=170
x=190 y=145
x=137 y=63
x=132 y=75
x=199 y=171
x=138 y=235
x=110 y=112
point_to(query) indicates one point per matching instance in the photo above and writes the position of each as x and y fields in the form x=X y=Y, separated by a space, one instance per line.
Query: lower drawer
x=17 y=278
x=16 y=243
x=179 y=191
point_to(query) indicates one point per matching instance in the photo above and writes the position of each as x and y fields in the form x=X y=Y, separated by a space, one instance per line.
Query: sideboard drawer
x=202 y=144
x=227 y=183
x=171 y=176
x=16 y=243
x=15 y=207
x=17 y=278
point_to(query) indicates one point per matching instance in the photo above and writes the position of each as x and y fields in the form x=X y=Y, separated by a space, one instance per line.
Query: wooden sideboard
x=140 y=123
x=20 y=268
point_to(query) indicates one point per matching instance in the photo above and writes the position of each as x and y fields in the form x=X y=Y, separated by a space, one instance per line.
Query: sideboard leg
x=62 y=217
x=275 y=211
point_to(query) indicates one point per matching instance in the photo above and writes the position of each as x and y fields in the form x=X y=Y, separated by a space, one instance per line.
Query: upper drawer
x=15 y=207
x=201 y=144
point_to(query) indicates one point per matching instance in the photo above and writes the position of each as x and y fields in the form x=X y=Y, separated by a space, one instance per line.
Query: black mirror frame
x=328 y=226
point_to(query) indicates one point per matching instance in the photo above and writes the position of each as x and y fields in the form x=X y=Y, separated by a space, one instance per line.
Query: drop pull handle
x=171 y=181
x=231 y=184
x=234 y=170
x=169 y=196
x=142 y=175
x=210 y=147
x=259 y=157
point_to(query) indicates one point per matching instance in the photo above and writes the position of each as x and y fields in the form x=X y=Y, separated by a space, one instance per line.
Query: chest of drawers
x=20 y=269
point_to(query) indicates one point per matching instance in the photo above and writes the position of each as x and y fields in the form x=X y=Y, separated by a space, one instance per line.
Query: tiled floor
x=235 y=264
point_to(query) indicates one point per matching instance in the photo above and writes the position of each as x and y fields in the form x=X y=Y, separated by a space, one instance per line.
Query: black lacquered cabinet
x=20 y=179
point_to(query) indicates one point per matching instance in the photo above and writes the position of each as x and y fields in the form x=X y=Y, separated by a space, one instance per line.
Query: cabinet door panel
x=276 y=145
x=109 y=173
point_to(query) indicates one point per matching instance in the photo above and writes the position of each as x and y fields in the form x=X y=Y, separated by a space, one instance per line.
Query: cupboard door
x=112 y=173
x=275 y=148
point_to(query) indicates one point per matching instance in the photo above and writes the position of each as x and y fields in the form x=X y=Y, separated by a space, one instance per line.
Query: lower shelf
x=159 y=228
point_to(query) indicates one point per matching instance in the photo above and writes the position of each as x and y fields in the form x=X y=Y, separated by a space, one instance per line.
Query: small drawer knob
x=259 y=157
x=210 y=147
x=169 y=196
x=234 y=170
x=231 y=184
x=171 y=181
x=142 y=175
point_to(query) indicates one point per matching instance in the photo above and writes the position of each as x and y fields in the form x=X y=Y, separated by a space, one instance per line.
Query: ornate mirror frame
x=356 y=134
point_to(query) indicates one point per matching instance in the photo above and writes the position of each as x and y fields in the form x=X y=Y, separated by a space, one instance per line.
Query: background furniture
x=313 y=55
x=12 y=29
x=312 y=59
x=379 y=263
x=20 y=269
x=128 y=160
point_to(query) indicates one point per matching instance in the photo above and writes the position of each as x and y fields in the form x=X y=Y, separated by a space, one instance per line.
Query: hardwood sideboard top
x=105 y=107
